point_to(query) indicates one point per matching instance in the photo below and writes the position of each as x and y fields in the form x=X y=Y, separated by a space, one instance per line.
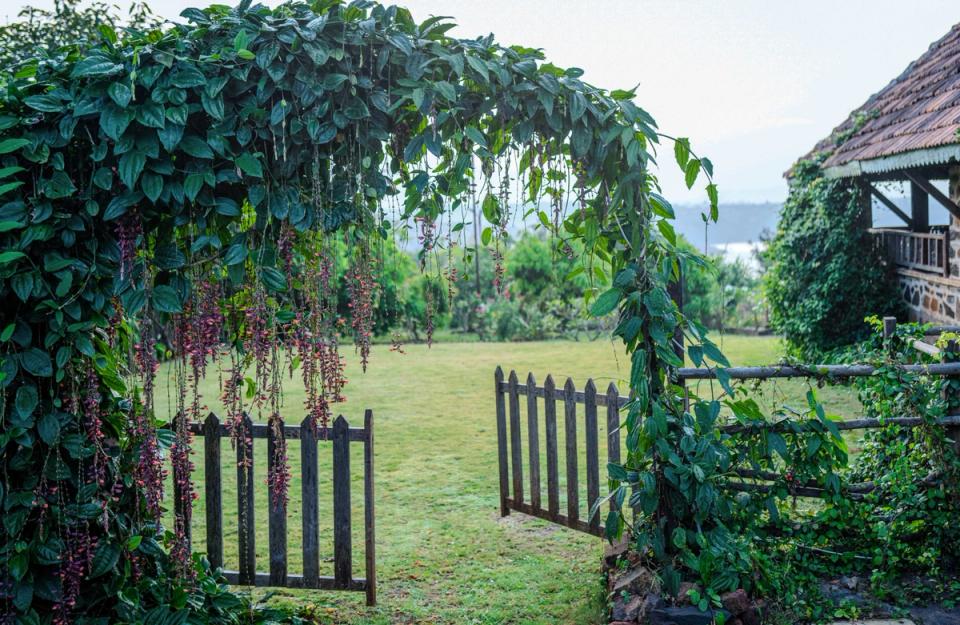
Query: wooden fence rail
x=511 y=450
x=922 y=251
x=340 y=436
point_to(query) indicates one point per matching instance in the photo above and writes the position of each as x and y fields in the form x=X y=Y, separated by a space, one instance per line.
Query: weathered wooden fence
x=511 y=462
x=512 y=428
x=340 y=435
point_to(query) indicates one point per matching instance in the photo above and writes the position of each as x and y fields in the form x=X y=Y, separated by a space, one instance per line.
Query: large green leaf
x=47 y=103
x=9 y=256
x=95 y=66
x=131 y=166
x=120 y=93
x=114 y=120
x=606 y=303
x=37 y=362
x=11 y=145
x=103 y=178
x=166 y=300
x=48 y=427
x=250 y=165
x=151 y=114
x=196 y=147
x=152 y=185
x=273 y=279
x=59 y=186
x=104 y=558
x=27 y=400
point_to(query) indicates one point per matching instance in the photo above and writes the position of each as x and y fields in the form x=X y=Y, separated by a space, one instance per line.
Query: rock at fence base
x=838 y=593
x=851 y=582
x=635 y=609
x=751 y=616
x=613 y=553
x=933 y=615
x=637 y=581
x=686 y=615
x=736 y=602
x=626 y=609
x=683 y=595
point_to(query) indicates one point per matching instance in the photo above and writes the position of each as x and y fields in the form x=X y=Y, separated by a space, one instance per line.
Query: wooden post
x=919 y=208
x=369 y=533
x=516 y=446
x=613 y=428
x=675 y=290
x=502 y=441
x=951 y=353
x=945 y=255
x=342 y=551
x=212 y=490
x=246 y=530
x=311 y=512
x=593 y=461
x=550 y=423
x=533 y=434
x=889 y=327
x=570 y=429
x=276 y=511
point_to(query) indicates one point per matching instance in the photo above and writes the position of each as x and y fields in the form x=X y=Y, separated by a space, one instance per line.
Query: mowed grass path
x=444 y=555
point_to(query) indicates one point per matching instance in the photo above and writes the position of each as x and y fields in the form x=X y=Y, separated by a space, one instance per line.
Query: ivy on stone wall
x=826 y=274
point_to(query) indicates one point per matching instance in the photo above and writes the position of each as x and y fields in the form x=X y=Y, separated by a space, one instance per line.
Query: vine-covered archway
x=177 y=195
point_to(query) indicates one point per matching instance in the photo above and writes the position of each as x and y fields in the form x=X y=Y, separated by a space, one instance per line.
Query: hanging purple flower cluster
x=360 y=289
x=278 y=472
x=93 y=426
x=259 y=342
x=128 y=231
x=76 y=560
x=149 y=473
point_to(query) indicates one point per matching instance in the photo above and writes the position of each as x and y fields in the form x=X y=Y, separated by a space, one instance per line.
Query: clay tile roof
x=918 y=110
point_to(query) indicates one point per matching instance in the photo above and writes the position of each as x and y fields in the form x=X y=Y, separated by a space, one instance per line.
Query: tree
x=41 y=32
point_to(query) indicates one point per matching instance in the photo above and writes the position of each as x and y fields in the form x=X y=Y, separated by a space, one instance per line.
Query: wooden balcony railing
x=922 y=251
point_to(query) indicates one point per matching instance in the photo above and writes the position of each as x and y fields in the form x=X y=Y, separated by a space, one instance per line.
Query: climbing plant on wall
x=826 y=274
x=177 y=194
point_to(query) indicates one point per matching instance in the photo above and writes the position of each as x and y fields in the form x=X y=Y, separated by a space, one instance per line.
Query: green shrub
x=825 y=274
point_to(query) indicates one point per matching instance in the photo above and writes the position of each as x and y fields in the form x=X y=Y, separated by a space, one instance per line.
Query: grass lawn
x=444 y=555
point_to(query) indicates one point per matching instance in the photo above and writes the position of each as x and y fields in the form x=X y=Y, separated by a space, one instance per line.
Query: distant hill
x=738 y=223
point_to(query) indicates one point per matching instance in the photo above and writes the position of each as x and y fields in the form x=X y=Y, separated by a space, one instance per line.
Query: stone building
x=907 y=137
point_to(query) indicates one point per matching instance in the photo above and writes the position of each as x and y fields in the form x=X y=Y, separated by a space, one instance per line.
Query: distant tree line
x=38 y=32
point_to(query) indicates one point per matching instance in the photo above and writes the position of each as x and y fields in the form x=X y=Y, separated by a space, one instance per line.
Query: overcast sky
x=753 y=83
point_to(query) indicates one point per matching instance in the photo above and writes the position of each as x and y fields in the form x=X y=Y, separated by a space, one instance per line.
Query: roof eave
x=940 y=155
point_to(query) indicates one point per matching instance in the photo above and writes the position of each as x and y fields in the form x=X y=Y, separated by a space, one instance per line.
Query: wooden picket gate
x=340 y=435
x=510 y=447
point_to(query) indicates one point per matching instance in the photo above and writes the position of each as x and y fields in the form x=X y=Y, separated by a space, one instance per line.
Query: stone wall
x=929 y=297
